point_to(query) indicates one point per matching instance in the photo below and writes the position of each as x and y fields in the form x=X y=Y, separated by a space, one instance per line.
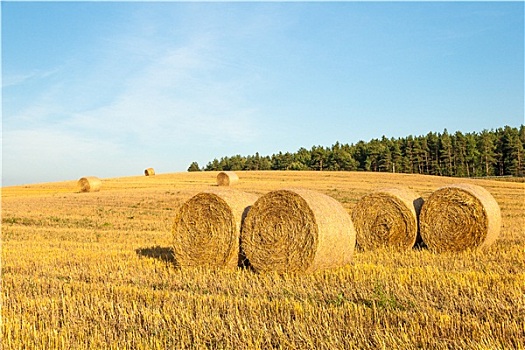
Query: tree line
x=497 y=152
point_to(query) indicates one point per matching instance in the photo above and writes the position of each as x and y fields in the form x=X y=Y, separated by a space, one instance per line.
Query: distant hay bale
x=89 y=184
x=460 y=217
x=387 y=218
x=149 y=172
x=207 y=227
x=297 y=230
x=227 y=178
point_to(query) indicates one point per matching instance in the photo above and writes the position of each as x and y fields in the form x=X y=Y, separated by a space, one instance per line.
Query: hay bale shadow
x=165 y=254
x=420 y=246
x=243 y=262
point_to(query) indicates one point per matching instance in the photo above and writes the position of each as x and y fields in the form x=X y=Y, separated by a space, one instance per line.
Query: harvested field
x=98 y=271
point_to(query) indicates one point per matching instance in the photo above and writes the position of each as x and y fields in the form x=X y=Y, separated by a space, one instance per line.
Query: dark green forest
x=497 y=152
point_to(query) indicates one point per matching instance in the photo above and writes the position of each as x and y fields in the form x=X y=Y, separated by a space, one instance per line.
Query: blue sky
x=111 y=88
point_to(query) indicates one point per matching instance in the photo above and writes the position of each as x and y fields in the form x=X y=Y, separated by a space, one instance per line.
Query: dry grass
x=89 y=184
x=387 y=218
x=149 y=172
x=297 y=230
x=227 y=178
x=97 y=271
x=460 y=217
x=207 y=228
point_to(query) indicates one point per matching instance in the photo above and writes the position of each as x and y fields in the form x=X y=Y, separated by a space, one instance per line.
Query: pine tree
x=374 y=154
x=194 y=167
x=213 y=166
x=418 y=153
x=385 y=163
x=460 y=155
x=396 y=156
x=472 y=155
x=487 y=150
x=408 y=155
x=303 y=156
x=282 y=161
x=361 y=155
x=432 y=141
x=339 y=157
x=445 y=153
x=522 y=135
x=319 y=157
x=512 y=152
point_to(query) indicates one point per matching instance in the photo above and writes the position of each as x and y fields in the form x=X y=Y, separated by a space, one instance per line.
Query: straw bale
x=297 y=230
x=227 y=178
x=387 y=218
x=149 y=172
x=89 y=184
x=207 y=227
x=460 y=217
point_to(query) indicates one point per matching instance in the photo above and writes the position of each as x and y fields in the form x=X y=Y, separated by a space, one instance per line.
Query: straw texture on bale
x=206 y=229
x=297 y=230
x=460 y=217
x=387 y=218
x=89 y=184
x=227 y=178
x=149 y=172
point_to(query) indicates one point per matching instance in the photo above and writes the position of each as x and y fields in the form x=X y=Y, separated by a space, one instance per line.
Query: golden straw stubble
x=297 y=230
x=206 y=228
x=460 y=217
x=89 y=184
x=387 y=218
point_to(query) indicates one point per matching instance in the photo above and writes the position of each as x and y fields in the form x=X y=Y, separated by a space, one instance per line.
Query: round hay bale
x=387 y=218
x=149 y=172
x=207 y=227
x=297 y=230
x=227 y=178
x=460 y=217
x=89 y=184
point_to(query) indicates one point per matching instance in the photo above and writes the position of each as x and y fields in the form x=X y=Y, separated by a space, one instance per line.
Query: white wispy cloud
x=175 y=94
x=16 y=79
x=90 y=115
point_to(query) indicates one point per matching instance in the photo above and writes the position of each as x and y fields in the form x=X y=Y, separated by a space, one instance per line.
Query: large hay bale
x=227 y=178
x=460 y=217
x=387 y=218
x=207 y=227
x=149 y=172
x=297 y=230
x=89 y=184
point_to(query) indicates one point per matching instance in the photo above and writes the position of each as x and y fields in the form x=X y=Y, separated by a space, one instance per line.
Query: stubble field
x=95 y=270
